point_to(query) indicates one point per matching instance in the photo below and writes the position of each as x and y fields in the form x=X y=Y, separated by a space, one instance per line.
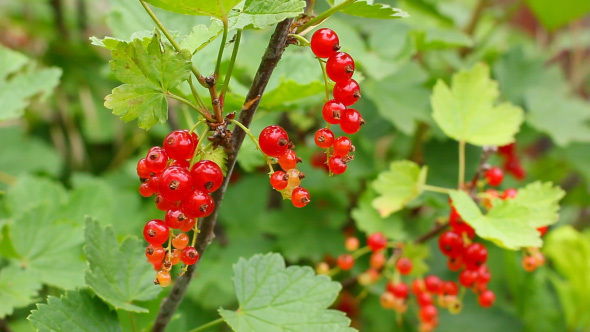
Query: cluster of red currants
x=512 y=163
x=182 y=191
x=274 y=142
x=339 y=68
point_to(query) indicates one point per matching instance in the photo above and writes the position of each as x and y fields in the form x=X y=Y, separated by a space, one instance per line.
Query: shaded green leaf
x=201 y=36
x=258 y=14
x=118 y=273
x=275 y=298
x=17 y=289
x=27 y=154
x=467 y=112
x=215 y=8
x=557 y=14
x=542 y=200
x=75 y=311
x=111 y=43
x=438 y=38
x=289 y=92
x=368 y=220
x=398 y=186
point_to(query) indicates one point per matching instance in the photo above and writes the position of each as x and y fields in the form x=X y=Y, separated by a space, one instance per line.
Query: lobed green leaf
x=17 y=289
x=258 y=14
x=215 y=8
x=398 y=186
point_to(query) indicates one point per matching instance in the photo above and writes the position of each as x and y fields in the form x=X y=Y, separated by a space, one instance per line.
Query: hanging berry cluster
x=182 y=190
x=512 y=163
x=339 y=67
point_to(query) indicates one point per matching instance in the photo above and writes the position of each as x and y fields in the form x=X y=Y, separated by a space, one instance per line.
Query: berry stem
x=310 y=5
x=436 y=189
x=221 y=48
x=302 y=41
x=326 y=80
x=198 y=147
x=197 y=125
x=255 y=140
x=321 y=17
x=461 y=164
x=196 y=93
x=205 y=114
x=487 y=151
x=232 y=61
x=196 y=232
x=207 y=325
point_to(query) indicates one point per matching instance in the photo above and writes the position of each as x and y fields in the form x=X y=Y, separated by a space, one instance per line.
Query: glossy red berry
x=279 y=180
x=428 y=313
x=529 y=263
x=340 y=67
x=154 y=253
x=198 y=204
x=486 y=299
x=377 y=260
x=156 y=232
x=189 y=255
x=417 y=286
x=145 y=189
x=494 y=176
x=345 y=262
x=512 y=165
x=542 y=230
x=483 y=275
x=142 y=169
x=174 y=218
x=475 y=255
x=175 y=183
x=377 y=241
x=404 y=265
x=164 y=204
x=180 y=145
x=331 y=111
x=187 y=225
x=433 y=284
x=467 y=277
x=324 y=138
x=507 y=150
x=337 y=165
x=288 y=160
x=342 y=146
x=347 y=92
x=156 y=159
x=207 y=175
x=509 y=193
x=351 y=121
x=399 y=289
x=274 y=141
x=424 y=299
x=324 y=43
x=318 y=160
x=351 y=243
x=450 y=244
x=449 y=288
x=455 y=263
x=181 y=163
x=300 y=197
x=180 y=241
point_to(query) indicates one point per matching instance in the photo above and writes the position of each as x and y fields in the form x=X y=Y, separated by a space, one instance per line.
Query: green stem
x=206 y=115
x=132 y=321
x=361 y=251
x=187 y=116
x=255 y=140
x=232 y=61
x=207 y=325
x=318 y=19
x=461 y=164
x=436 y=189
x=326 y=80
x=221 y=48
x=302 y=41
x=310 y=8
x=198 y=147
x=196 y=125
x=196 y=93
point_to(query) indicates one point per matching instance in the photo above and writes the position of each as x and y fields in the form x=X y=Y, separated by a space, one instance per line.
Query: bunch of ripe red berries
x=512 y=163
x=182 y=190
x=339 y=68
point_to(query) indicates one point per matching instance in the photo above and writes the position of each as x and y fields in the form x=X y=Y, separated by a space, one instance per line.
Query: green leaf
x=368 y=9
x=215 y=8
x=288 y=93
x=20 y=82
x=557 y=14
x=466 y=110
x=569 y=252
x=369 y=221
x=201 y=36
x=566 y=120
x=31 y=191
x=402 y=98
x=219 y=156
x=542 y=200
x=507 y=224
x=48 y=248
x=75 y=311
x=111 y=43
x=417 y=253
x=437 y=38
x=258 y=14
x=149 y=73
x=398 y=186
x=118 y=274
x=27 y=154
x=275 y=298
x=17 y=289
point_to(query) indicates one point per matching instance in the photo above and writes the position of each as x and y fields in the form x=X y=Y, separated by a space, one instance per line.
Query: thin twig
x=438 y=227
x=481 y=168
x=274 y=51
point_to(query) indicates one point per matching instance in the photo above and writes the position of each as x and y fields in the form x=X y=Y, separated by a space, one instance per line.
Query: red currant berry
x=450 y=244
x=513 y=166
x=345 y=262
x=433 y=284
x=377 y=260
x=417 y=286
x=509 y=193
x=153 y=182
x=377 y=241
x=145 y=190
x=180 y=241
x=400 y=289
x=494 y=176
x=542 y=230
x=475 y=255
x=424 y=299
x=174 y=218
x=449 y=288
x=181 y=163
x=486 y=299
x=154 y=253
x=174 y=257
x=337 y=165
x=324 y=43
x=529 y=263
x=156 y=232
x=347 y=92
x=340 y=67
x=174 y=183
x=288 y=160
x=142 y=170
x=198 y=204
x=163 y=278
x=483 y=275
x=467 y=277
x=189 y=255
x=331 y=111
x=164 y=204
x=351 y=243
x=404 y=265
x=300 y=197
x=507 y=150
x=455 y=263
x=187 y=225
x=428 y=313
x=156 y=159
x=207 y=175
x=274 y=141
x=180 y=145
x=318 y=160
x=458 y=225
x=351 y=121
x=279 y=180
x=324 y=138
x=342 y=146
